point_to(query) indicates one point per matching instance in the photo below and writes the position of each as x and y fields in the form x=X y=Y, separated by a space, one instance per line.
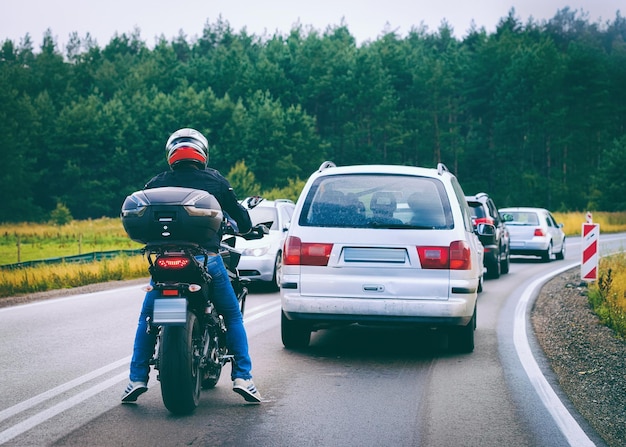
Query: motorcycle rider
x=187 y=154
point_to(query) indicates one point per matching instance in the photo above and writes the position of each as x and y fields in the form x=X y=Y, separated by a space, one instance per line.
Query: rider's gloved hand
x=257 y=232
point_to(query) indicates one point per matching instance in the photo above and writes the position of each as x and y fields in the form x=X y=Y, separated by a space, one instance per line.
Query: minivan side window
x=460 y=196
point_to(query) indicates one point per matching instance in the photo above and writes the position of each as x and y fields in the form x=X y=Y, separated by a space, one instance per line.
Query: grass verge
x=607 y=296
x=33 y=241
x=63 y=276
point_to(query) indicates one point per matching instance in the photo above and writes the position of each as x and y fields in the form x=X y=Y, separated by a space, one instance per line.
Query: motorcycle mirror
x=253 y=201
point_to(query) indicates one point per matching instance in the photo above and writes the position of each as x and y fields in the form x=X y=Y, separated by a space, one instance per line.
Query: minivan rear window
x=377 y=201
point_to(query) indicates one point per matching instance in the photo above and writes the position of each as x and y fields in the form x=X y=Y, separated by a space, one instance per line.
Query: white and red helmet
x=187 y=145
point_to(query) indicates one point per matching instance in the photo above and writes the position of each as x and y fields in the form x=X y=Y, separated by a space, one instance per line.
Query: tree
x=243 y=181
x=61 y=215
x=610 y=182
x=528 y=113
x=19 y=169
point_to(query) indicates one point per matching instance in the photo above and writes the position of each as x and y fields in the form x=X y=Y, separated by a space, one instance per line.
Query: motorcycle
x=190 y=349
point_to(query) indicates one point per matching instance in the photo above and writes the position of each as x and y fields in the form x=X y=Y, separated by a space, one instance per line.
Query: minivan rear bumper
x=456 y=311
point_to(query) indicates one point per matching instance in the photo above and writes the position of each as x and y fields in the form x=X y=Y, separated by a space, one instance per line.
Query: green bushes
x=607 y=296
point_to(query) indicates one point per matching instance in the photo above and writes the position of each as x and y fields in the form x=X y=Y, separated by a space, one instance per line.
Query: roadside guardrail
x=87 y=257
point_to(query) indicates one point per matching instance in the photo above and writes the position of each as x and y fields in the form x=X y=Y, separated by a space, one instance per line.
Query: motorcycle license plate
x=169 y=311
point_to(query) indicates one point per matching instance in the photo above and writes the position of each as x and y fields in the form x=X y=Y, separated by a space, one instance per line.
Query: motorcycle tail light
x=173 y=262
x=169 y=292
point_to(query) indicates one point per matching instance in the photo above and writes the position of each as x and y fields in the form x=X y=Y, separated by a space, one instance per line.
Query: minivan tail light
x=434 y=257
x=460 y=256
x=297 y=252
x=539 y=232
x=455 y=257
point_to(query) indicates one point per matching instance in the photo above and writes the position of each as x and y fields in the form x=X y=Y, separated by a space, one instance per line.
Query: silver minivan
x=381 y=244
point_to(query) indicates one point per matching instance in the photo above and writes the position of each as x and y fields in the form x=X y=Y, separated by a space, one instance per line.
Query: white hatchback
x=381 y=244
x=261 y=258
x=534 y=232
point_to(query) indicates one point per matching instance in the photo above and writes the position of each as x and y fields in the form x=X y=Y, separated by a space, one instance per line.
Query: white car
x=381 y=244
x=534 y=232
x=261 y=258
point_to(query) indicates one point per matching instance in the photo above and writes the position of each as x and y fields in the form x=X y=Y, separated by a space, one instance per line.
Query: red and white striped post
x=590 y=236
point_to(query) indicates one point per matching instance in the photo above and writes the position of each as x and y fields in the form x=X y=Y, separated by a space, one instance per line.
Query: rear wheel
x=546 y=256
x=461 y=338
x=179 y=366
x=561 y=255
x=294 y=334
x=278 y=263
x=493 y=268
x=506 y=262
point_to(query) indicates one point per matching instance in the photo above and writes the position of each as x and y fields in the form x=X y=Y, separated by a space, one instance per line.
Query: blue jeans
x=226 y=304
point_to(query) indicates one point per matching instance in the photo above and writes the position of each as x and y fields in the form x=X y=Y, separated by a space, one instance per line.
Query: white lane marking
x=21 y=427
x=257 y=315
x=574 y=434
x=43 y=416
x=262 y=306
x=36 y=400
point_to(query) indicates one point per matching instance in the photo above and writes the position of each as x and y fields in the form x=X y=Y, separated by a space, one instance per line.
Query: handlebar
x=256 y=232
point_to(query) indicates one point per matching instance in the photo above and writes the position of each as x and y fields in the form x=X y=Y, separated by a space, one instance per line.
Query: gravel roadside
x=587 y=358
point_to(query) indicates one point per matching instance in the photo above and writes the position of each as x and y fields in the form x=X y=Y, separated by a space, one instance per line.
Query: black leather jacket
x=213 y=182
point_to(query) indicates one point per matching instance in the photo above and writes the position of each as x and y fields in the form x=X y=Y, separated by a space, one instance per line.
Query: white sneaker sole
x=247 y=395
x=134 y=394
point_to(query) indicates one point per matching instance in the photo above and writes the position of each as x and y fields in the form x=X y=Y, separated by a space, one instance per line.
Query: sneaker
x=133 y=391
x=247 y=390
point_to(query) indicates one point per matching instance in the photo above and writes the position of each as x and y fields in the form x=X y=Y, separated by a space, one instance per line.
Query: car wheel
x=278 y=264
x=294 y=334
x=546 y=256
x=561 y=255
x=461 y=338
x=506 y=262
x=493 y=268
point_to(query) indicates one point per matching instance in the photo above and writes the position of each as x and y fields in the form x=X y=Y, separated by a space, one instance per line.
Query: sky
x=365 y=19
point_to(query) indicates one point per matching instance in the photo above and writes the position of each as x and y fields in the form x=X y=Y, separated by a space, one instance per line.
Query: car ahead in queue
x=534 y=232
x=497 y=250
x=381 y=244
x=261 y=259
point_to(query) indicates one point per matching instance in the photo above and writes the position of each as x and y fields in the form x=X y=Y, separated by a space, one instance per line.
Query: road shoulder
x=587 y=357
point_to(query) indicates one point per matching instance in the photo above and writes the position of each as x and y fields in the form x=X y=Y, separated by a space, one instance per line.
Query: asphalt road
x=64 y=364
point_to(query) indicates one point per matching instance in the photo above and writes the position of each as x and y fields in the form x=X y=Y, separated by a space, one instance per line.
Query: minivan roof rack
x=326 y=165
x=441 y=168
